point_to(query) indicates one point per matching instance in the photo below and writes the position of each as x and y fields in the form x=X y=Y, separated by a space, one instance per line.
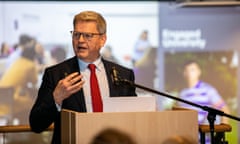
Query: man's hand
x=67 y=86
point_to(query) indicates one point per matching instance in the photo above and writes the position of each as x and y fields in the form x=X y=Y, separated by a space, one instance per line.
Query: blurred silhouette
x=5 y=50
x=39 y=53
x=141 y=46
x=108 y=54
x=145 y=69
x=22 y=77
x=58 y=55
x=112 y=136
x=24 y=41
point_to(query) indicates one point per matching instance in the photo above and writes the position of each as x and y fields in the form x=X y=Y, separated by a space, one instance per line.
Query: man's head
x=89 y=35
x=192 y=71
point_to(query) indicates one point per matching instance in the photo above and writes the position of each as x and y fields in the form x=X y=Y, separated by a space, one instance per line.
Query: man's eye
x=88 y=35
x=76 y=34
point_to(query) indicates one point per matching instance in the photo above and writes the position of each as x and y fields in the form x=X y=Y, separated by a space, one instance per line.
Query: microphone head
x=115 y=78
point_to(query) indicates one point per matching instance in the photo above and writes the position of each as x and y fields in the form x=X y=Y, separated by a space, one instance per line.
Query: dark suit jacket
x=44 y=111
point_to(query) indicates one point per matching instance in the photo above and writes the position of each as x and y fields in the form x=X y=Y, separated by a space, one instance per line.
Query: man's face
x=192 y=72
x=88 y=48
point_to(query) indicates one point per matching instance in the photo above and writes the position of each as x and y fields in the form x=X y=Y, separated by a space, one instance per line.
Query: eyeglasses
x=87 y=36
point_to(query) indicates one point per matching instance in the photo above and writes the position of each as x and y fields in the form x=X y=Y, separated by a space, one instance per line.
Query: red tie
x=95 y=91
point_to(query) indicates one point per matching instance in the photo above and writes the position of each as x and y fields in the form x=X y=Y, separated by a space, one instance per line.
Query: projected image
x=198 y=58
x=204 y=78
x=35 y=38
x=37 y=35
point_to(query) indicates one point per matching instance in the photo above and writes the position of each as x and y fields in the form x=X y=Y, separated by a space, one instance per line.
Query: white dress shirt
x=102 y=81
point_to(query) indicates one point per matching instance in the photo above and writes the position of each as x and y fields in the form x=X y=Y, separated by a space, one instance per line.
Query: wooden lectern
x=143 y=127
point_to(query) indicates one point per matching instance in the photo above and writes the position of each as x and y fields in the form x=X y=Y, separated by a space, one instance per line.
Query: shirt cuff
x=59 y=107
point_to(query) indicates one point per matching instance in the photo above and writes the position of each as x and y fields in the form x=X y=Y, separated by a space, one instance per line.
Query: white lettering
x=183 y=39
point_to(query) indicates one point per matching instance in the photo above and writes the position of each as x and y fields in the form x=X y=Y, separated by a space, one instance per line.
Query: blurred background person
x=145 y=69
x=40 y=57
x=22 y=77
x=201 y=93
x=141 y=46
x=108 y=54
x=112 y=136
x=5 y=50
x=24 y=41
x=58 y=54
x=4 y=53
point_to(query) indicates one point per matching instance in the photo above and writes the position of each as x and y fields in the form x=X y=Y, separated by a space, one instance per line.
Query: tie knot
x=92 y=67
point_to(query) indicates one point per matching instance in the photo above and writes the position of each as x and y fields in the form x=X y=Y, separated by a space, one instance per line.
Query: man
x=201 y=93
x=66 y=85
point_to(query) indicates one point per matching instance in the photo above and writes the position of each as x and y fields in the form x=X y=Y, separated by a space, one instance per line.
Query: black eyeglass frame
x=86 y=36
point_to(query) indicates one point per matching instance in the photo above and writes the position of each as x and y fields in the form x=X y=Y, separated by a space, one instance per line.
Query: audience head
x=112 y=136
x=29 y=52
x=25 y=40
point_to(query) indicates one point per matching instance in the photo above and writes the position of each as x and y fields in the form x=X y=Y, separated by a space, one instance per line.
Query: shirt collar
x=84 y=65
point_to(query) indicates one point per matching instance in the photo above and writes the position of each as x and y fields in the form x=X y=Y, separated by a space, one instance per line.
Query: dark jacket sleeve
x=44 y=111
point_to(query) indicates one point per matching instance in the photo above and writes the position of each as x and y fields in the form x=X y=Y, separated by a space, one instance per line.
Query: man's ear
x=103 y=39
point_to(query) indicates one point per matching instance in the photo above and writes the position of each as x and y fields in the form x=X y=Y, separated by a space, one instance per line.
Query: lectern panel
x=143 y=127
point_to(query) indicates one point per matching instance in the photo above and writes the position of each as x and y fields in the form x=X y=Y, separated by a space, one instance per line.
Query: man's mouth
x=81 y=48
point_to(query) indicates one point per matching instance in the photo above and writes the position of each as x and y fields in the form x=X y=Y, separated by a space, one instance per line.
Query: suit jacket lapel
x=108 y=68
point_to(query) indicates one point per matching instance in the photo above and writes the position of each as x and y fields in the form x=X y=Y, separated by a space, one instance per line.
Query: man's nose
x=81 y=38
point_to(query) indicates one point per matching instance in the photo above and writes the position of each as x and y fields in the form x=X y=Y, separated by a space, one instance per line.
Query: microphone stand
x=212 y=112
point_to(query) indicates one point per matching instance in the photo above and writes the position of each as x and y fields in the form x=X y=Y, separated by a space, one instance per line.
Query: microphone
x=115 y=78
